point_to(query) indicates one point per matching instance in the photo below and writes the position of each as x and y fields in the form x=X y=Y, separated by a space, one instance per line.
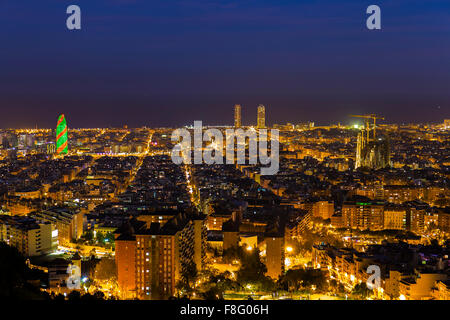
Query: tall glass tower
x=61 y=136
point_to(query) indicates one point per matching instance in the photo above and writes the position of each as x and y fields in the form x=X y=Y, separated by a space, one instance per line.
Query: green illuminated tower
x=61 y=136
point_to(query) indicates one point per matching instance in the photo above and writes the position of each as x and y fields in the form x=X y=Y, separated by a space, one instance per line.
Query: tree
x=295 y=279
x=434 y=243
x=12 y=270
x=266 y=284
x=74 y=296
x=110 y=238
x=337 y=286
x=188 y=276
x=98 y=295
x=224 y=281
x=216 y=284
x=189 y=273
x=100 y=237
x=58 y=297
x=231 y=254
x=213 y=293
x=183 y=288
x=252 y=269
x=361 y=290
x=106 y=269
x=15 y=275
x=87 y=297
x=88 y=235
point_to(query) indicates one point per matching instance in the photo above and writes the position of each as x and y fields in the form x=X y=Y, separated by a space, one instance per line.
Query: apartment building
x=68 y=223
x=151 y=260
x=420 y=286
x=363 y=215
x=31 y=237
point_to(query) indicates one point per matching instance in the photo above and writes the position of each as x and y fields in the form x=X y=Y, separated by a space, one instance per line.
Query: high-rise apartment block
x=68 y=223
x=31 y=237
x=363 y=215
x=275 y=255
x=150 y=261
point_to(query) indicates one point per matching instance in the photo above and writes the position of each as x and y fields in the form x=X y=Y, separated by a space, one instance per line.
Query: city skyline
x=236 y=118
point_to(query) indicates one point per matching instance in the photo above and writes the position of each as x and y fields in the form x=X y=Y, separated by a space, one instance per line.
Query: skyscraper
x=152 y=259
x=237 y=115
x=61 y=136
x=261 y=123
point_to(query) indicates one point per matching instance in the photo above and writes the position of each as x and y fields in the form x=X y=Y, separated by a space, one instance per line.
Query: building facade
x=29 y=236
x=151 y=260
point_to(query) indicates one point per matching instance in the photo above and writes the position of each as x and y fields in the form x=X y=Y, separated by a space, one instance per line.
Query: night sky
x=168 y=63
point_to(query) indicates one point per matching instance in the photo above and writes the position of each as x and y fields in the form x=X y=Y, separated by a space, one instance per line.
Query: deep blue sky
x=168 y=63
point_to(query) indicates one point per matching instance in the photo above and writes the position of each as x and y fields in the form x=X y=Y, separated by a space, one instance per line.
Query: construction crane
x=367 y=117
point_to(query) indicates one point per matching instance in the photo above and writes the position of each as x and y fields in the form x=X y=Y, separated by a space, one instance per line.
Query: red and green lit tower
x=61 y=136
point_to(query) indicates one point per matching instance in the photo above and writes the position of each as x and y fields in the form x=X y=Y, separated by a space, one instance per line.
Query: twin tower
x=62 y=139
x=261 y=116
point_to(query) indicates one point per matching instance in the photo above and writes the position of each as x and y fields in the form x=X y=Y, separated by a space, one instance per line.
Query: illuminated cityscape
x=215 y=159
x=143 y=227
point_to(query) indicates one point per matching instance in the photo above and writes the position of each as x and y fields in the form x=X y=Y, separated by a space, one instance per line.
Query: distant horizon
x=316 y=125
